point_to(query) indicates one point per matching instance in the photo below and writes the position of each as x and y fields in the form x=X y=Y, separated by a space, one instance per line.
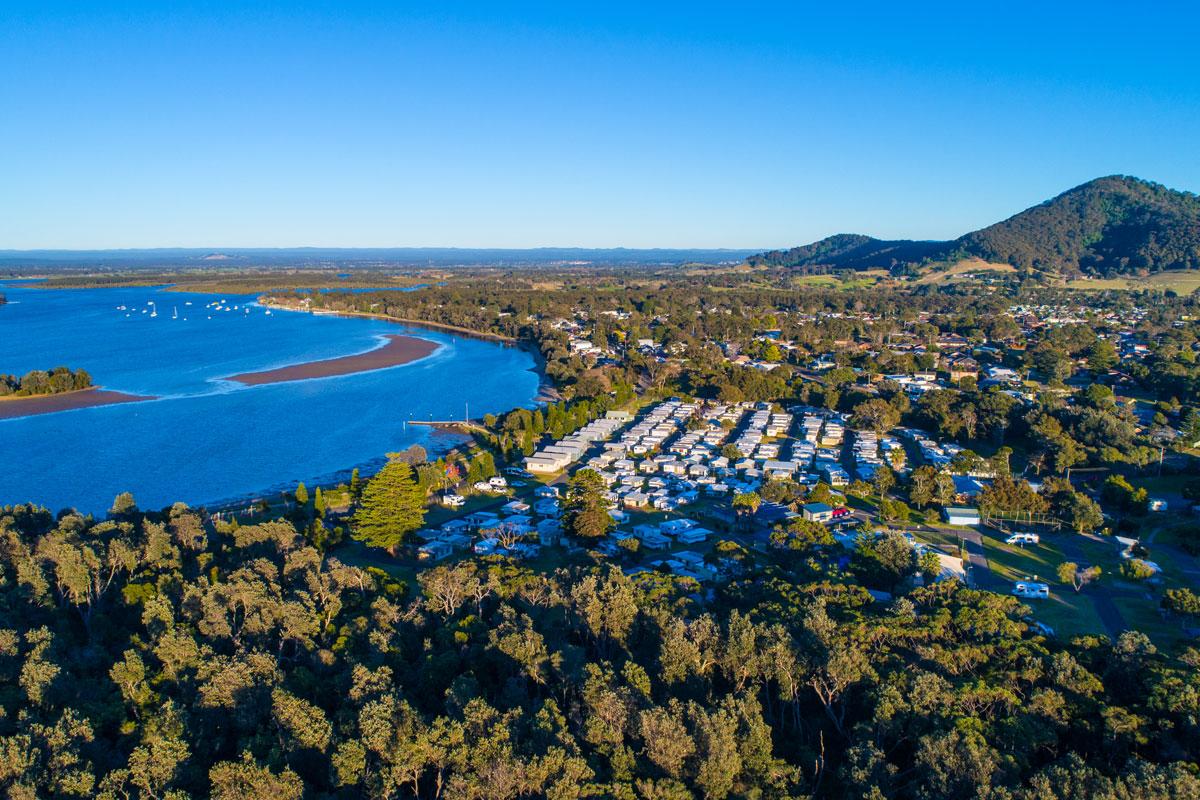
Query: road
x=981 y=575
x=1101 y=598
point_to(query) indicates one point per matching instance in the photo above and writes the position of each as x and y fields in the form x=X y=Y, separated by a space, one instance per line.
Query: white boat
x=175 y=312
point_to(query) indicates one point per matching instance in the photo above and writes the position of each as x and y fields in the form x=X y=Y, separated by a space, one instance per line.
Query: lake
x=205 y=439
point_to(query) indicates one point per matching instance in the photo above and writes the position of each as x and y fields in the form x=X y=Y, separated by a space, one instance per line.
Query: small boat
x=175 y=312
x=153 y=314
x=268 y=312
x=187 y=302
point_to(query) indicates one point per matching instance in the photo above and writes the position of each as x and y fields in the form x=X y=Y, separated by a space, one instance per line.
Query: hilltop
x=1108 y=226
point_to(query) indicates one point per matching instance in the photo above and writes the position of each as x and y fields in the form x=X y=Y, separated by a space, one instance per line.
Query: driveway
x=1100 y=597
x=981 y=576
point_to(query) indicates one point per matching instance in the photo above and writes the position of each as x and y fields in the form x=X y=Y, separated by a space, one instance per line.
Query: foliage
x=41 y=382
x=585 y=508
x=392 y=506
x=161 y=655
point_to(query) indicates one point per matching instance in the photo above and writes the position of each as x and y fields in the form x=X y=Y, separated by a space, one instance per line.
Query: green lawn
x=1070 y=614
x=1013 y=563
x=1142 y=614
x=1182 y=281
x=1164 y=484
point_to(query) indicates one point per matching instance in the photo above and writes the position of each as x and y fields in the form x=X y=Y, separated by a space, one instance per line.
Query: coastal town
x=600 y=401
x=697 y=487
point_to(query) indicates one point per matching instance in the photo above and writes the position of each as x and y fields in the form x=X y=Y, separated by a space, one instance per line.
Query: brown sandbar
x=398 y=350
x=12 y=407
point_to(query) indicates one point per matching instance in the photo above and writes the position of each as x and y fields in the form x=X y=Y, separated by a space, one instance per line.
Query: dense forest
x=1108 y=226
x=164 y=656
x=850 y=251
x=37 y=382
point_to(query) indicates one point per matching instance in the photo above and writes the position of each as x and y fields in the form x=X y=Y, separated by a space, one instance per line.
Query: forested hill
x=1107 y=226
x=851 y=251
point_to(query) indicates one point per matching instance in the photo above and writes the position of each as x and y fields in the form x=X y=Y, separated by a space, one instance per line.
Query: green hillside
x=1108 y=226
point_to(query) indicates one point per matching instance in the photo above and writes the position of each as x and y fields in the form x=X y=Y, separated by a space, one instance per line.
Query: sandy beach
x=12 y=407
x=398 y=350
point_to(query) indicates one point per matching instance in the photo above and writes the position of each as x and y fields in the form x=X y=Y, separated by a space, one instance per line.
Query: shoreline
x=398 y=350
x=547 y=393
x=92 y=397
x=416 y=323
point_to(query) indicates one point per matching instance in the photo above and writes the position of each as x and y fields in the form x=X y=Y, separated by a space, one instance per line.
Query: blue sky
x=126 y=124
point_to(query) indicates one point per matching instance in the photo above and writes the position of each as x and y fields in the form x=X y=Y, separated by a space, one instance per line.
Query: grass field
x=1183 y=281
x=861 y=280
x=956 y=271
x=1074 y=614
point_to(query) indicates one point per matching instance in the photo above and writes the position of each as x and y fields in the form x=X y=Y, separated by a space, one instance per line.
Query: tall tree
x=391 y=507
x=585 y=511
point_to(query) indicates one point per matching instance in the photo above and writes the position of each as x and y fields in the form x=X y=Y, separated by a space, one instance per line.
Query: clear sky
x=506 y=124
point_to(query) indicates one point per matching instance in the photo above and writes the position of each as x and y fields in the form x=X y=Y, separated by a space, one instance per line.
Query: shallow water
x=207 y=439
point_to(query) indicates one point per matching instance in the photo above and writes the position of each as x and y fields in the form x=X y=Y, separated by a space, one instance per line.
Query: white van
x=1030 y=589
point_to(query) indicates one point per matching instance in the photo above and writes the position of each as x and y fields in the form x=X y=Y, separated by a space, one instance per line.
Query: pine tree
x=586 y=509
x=391 y=507
x=487 y=465
x=319 y=503
x=355 y=484
x=302 y=494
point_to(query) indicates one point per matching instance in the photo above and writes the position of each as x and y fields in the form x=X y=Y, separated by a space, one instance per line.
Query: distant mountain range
x=1107 y=226
x=360 y=257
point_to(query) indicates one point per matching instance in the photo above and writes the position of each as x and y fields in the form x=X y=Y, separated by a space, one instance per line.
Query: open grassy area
x=860 y=280
x=1182 y=281
x=1143 y=614
x=1013 y=563
x=956 y=271
x=1069 y=613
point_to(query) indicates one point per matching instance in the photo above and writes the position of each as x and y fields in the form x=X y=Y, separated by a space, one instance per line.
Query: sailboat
x=175 y=312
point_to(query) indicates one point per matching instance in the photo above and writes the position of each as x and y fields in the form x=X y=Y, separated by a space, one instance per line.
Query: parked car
x=1031 y=589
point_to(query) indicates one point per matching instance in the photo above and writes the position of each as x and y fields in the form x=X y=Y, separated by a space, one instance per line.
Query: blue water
x=207 y=439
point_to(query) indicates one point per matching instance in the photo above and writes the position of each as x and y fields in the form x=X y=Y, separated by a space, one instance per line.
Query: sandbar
x=12 y=407
x=399 y=350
